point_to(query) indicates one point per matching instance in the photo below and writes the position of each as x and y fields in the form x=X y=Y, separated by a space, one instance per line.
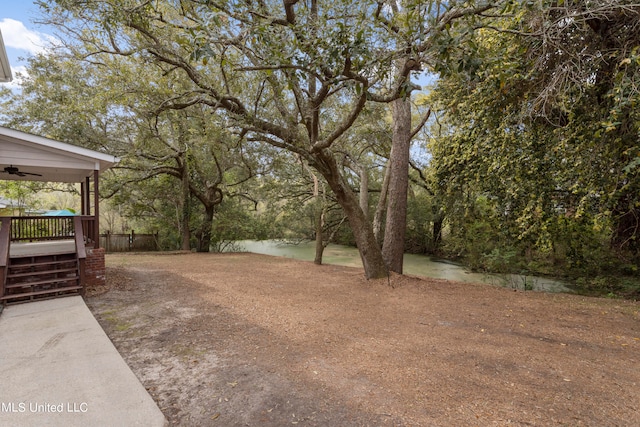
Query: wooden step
x=41 y=263
x=23 y=262
x=42 y=282
x=22 y=258
x=44 y=292
x=42 y=272
x=41 y=276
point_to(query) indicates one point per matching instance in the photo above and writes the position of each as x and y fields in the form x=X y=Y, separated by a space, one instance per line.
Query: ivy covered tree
x=543 y=130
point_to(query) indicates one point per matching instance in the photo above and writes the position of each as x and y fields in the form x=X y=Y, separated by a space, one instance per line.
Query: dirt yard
x=252 y=340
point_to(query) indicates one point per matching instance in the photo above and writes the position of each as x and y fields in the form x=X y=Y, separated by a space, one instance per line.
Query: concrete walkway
x=59 y=368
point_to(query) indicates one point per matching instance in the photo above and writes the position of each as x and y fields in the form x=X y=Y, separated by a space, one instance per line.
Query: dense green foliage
x=538 y=153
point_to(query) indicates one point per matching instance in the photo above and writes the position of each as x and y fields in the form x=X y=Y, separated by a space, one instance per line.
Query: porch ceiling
x=50 y=160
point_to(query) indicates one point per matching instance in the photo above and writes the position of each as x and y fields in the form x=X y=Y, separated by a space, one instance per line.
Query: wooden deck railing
x=81 y=253
x=5 y=232
x=39 y=228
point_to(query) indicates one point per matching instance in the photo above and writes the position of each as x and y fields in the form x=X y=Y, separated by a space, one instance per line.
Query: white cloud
x=17 y=80
x=17 y=36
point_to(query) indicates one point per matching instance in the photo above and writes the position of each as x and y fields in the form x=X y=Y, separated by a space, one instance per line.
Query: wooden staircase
x=35 y=277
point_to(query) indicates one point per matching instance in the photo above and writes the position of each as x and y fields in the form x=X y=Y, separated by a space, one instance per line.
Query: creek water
x=418 y=265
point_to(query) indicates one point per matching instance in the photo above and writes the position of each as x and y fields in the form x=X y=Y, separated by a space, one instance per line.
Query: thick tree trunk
x=370 y=253
x=319 y=241
x=318 y=213
x=186 y=212
x=204 y=243
x=364 y=191
x=395 y=226
x=313 y=137
x=378 y=217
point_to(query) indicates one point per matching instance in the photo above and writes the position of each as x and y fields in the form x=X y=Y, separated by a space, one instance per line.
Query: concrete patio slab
x=59 y=368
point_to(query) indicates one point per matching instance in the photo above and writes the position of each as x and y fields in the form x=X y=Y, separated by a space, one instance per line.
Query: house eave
x=55 y=161
x=5 y=67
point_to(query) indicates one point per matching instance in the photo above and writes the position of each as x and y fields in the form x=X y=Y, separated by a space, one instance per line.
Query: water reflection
x=418 y=265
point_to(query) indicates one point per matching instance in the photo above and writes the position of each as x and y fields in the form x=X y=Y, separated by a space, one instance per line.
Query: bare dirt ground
x=253 y=340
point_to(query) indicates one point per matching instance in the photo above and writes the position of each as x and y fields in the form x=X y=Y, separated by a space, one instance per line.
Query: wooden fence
x=112 y=242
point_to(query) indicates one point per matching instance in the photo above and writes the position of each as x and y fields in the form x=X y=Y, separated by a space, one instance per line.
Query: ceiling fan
x=11 y=170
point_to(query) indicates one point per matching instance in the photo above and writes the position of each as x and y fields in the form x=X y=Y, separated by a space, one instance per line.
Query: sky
x=22 y=37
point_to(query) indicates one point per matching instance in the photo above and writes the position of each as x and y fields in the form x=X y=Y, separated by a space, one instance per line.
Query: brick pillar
x=95 y=270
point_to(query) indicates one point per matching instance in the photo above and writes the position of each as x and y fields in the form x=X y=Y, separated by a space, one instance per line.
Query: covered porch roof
x=28 y=157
